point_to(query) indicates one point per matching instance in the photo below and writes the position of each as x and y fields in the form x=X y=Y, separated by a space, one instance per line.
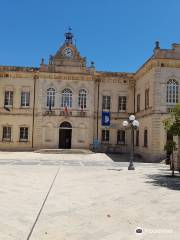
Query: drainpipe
x=33 y=116
x=97 y=116
x=134 y=96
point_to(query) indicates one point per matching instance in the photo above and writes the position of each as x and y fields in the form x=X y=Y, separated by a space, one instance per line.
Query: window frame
x=5 y=133
x=106 y=102
x=82 y=99
x=121 y=137
x=138 y=98
x=50 y=97
x=137 y=138
x=26 y=96
x=172 y=92
x=8 y=98
x=25 y=136
x=146 y=138
x=105 y=135
x=66 y=98
x=122 y=104
x=146 y=100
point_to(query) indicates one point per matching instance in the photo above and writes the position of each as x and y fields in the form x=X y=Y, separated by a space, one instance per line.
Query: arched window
x=82 y=99
x=172 y=91
x=66 y=100
x=50 y=97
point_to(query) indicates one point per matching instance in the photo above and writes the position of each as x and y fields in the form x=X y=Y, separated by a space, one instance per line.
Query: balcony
x=49 y=113
x=65 y=113
x=82 y=113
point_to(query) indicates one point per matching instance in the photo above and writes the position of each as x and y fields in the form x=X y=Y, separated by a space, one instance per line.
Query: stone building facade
x=60 y=104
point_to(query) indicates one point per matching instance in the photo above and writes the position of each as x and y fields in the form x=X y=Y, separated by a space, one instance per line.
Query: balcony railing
x=57 y=112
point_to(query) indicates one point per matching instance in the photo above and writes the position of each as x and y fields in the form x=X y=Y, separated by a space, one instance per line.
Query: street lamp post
x=134 y=124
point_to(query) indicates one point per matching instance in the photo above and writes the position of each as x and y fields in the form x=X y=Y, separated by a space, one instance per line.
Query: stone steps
x=64 y=151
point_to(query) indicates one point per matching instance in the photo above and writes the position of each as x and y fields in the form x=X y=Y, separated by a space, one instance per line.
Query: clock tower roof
x=67 y=58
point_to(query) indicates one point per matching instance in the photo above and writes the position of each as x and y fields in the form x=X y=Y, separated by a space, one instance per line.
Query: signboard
x=105 y=121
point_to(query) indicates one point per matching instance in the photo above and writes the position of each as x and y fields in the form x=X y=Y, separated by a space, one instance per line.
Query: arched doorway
x=65 y=133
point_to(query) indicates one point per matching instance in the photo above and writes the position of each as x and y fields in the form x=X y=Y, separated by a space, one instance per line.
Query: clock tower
x=67 y=58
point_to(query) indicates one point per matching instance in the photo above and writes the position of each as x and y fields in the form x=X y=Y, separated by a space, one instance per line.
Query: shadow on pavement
x=167 y=181
x=114 y=169
x=123 y=157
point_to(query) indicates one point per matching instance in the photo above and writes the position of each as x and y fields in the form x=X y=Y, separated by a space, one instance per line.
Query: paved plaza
x=86 y=197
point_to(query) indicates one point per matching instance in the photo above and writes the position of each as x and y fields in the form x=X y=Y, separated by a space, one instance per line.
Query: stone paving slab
x=99 y=202
x=22 y=191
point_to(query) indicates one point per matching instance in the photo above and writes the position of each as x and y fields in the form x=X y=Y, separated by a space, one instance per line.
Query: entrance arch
x=65 y=134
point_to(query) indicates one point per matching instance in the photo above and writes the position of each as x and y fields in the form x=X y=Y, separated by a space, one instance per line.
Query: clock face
x=68 y=52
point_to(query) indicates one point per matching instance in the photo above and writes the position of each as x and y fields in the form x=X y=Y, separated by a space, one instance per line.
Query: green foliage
x=172 y=124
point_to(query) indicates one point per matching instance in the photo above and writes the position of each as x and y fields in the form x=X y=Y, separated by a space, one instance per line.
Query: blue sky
x=118 y=35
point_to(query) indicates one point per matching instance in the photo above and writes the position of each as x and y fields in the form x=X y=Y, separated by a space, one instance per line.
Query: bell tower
x=69 y=36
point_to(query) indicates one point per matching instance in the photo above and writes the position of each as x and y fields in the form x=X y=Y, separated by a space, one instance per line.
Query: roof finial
x=69 y=36
x=157 y=45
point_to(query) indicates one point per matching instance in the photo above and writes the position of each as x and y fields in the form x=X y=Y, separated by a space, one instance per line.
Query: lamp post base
x=131 y=166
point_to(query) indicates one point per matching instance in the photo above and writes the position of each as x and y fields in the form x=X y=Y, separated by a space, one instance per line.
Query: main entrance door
x=65 y=133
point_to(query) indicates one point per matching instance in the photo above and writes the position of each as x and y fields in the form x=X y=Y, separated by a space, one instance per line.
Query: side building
x=156 y=93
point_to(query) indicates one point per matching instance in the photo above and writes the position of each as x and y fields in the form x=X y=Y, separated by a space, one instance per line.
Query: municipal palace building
x=67 y=103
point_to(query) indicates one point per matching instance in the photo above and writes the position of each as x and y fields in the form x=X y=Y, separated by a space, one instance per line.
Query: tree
x=172 y=125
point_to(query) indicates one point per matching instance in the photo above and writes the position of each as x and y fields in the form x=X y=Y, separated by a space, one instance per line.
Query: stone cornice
x=156 y=62
x=18 y=68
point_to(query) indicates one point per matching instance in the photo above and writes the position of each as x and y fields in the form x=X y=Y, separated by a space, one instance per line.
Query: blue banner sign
x=105 y=121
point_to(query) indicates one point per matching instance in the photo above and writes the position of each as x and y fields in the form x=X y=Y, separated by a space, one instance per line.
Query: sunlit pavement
x=85 y=197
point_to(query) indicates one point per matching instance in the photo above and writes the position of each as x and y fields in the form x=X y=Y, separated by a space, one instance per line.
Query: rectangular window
x=105 y=135
x=23 y=134
x=137 y=138
x=8 y=98
x=145 y=138
x=138 y=102
x=122 y=104
x=25 y=99
x=146 y=98
x=6 y=133
x=106 y=102
x=121 y=137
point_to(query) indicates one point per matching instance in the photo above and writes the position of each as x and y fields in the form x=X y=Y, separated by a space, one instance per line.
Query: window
x=137 y=138
x=105 y=135
x=82 y=99
x=122 y=104
x=145 y=138
x=25 y=99
x=8 y=100
x=51 y=97
x=121 y=137
x=138 y=102
x=106 y=102
x=146 y=98
x=66 y=100
x=6 y=133
x=23 y=134
x=172 y=92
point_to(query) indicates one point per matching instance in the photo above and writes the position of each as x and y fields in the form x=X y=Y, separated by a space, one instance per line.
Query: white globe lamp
x=131 y=118
x=125 y=123
x=135 y=123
